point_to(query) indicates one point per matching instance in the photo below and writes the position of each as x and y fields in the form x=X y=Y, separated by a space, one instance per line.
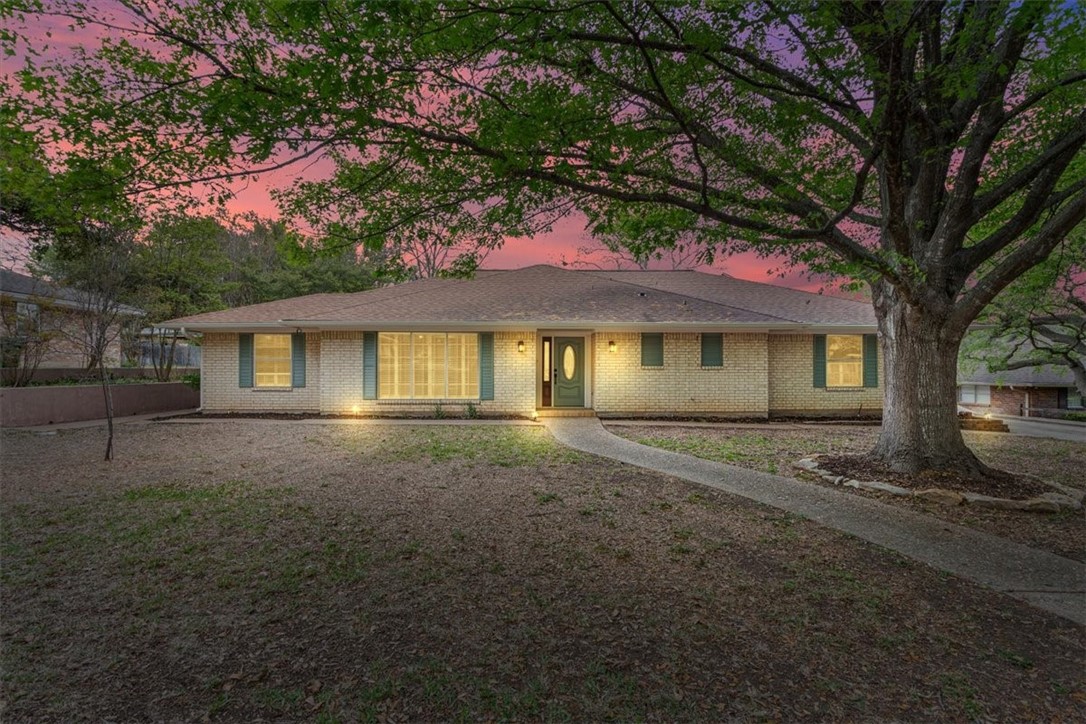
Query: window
x=844 y=360
x=271 y=360
x=27 y=317
x=652 y=350
x=712 y=350
x=1074 y=398
x=975 y=394
x=428 y=366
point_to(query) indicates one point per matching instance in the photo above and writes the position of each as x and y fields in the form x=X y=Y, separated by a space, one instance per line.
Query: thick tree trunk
x=920 y=428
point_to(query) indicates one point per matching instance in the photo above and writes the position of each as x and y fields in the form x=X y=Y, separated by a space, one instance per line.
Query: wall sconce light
x=520 y=346
x=611 y=346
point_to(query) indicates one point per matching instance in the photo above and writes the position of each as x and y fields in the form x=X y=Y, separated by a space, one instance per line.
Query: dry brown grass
x=774 y=449
x=241 y=570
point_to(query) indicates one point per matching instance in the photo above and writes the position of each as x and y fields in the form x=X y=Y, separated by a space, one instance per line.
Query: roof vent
x=642 y=294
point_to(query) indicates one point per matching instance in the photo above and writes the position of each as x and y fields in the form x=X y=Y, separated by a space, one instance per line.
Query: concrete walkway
x=1045 y=580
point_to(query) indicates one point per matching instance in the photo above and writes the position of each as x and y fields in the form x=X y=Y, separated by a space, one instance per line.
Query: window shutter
x=652 y=350
x=820 y=360
x=486 y=366
x=369 y=365
x=245 y=360
x=871 y=360
x=297 y=359
x=712 y=350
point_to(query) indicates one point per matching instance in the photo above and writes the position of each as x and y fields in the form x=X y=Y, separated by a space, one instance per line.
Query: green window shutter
x=820 y=360
x=486 y=366
x=871 y=360
x=712 y=350
x=652 y=350
x=297 y=359
x=369 y=365
x=245 y=360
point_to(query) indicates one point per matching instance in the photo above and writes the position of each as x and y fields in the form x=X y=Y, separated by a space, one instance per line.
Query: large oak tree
x=932 y=150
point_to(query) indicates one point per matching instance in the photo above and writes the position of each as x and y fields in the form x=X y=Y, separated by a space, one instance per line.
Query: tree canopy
x=930 y=149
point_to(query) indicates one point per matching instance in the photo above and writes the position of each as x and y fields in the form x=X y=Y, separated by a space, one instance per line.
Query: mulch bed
x=294 y=416
x=996 y=484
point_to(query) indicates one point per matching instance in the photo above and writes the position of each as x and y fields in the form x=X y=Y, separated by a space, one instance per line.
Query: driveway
x=1056 y=430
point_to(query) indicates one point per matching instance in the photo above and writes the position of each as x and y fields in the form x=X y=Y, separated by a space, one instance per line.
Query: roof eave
x=528 y=324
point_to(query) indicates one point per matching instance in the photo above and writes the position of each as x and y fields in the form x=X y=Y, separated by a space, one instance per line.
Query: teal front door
x=568 y=371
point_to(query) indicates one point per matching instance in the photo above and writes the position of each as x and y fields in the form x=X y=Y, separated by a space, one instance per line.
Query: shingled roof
x=552 y=297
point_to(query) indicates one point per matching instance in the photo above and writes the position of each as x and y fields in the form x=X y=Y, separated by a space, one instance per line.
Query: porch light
x=520 y=346
x=611 y=346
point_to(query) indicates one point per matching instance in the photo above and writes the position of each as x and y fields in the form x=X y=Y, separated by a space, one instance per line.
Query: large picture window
x=271 y=360
x=844 y=360
x=427 y=366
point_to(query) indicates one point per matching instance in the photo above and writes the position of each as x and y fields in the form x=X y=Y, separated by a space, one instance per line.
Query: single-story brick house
x=1044 y=391
x=35 y=310
x=545 y=340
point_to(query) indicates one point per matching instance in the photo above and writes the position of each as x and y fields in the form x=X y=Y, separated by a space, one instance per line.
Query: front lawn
x=774 y=448
x=243 y=570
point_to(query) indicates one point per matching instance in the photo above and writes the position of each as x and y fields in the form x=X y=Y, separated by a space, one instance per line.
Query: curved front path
x=1045 y=580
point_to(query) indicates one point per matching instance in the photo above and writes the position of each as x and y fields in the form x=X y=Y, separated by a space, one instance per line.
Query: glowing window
x=427 y=366
x=569 y=362
x=271 y=360
x=844 y=360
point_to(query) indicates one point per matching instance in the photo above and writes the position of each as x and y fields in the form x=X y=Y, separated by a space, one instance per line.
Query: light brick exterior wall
x=334 y=380
x=622 y=386
x=791 y=382
x=762 y=375
x=341 y=374
x=514 y=374
x=219 y=380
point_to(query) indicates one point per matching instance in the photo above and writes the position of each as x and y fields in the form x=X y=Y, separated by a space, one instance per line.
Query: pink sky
x=52 y=38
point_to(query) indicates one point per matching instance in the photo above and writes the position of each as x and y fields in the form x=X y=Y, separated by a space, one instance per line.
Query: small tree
x=25 y=339
x=1040 y=319
x=98 y=263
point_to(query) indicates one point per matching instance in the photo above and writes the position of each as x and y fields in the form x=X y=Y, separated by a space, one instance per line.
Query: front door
x=568 y=371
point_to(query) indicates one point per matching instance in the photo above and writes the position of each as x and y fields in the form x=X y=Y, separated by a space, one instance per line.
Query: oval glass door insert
x=569 y=362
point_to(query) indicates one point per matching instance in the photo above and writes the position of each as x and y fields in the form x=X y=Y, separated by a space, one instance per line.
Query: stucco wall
x=219 y=380
x=791 y=382
x=622 y=386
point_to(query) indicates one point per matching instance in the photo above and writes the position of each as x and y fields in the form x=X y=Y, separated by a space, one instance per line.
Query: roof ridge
x=702 y=299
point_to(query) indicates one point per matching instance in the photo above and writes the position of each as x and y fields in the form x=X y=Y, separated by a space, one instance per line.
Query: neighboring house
x=153 y=341
x=1045 y=391
x=544 y=340
x=33 y=310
